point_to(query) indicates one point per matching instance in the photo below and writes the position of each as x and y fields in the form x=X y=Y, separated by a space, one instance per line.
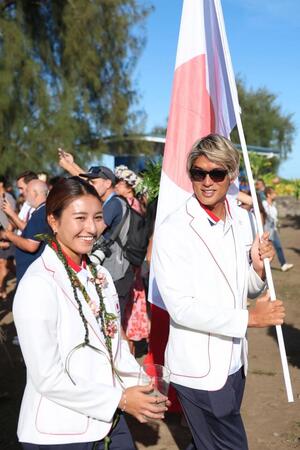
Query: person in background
x=20 y=219
x=271 y=224
x=7 y=250
x=260 y=188
x=245 y=201
x=28 y=247
x=53 y=180
x=126 y=183
x=136 y=322
x=81 y=376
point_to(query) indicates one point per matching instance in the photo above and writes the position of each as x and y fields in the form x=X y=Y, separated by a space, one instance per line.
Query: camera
x=100 y=251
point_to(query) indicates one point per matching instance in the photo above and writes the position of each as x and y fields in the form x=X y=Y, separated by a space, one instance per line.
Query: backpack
x=135 y=247
x=137 y=238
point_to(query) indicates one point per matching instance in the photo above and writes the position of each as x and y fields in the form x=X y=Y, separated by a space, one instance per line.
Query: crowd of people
x=80 y=304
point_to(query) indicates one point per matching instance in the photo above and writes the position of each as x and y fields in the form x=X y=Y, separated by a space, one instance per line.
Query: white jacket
x=196 y=285
x=54 y=410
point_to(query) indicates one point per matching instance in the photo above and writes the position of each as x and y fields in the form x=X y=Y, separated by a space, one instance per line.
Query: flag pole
x=267 y=266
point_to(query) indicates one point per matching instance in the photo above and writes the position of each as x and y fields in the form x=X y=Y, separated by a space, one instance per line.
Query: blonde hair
x=218 y=150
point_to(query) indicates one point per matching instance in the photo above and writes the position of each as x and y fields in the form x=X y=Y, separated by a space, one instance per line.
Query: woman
x=127 y=182
x=67 y=318
x=136 y=323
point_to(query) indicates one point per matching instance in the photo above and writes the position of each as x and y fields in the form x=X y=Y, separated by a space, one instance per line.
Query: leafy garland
x=108 y=320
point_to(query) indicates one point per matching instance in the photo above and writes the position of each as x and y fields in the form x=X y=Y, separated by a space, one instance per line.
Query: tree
x=261 y=164
x=65 y=76
x=264 y=123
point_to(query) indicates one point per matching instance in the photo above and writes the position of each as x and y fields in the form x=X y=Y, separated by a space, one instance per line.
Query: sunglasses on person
x=215 y=175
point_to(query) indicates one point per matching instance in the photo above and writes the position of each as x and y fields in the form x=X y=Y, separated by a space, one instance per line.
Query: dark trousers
x=123 y=288
x=121 y=439
x=214 y=416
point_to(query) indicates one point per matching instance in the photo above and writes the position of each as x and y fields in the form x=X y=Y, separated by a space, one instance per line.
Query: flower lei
x=107 y=320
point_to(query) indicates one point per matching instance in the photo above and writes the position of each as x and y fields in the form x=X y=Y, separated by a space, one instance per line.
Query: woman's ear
x=52 y=221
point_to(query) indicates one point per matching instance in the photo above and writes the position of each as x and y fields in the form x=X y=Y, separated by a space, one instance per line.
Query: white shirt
x=25 y=214
x=224 y=234
x=272 y=217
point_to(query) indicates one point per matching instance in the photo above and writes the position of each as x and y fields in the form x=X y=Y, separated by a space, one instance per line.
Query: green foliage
x=264 y=123
x=65 y=76
x=260 y=164
x=151 y=179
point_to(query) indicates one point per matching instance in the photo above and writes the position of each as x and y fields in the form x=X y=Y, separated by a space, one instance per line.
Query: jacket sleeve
x=128 y=367
x=255 y=284
x=37 y=320
x=172 y=268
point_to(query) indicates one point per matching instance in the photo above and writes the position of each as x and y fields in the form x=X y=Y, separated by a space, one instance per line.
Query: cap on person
x=99 y=172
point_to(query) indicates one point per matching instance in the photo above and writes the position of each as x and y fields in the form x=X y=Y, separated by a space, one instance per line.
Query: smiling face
x=211 y=193
x=79 y=226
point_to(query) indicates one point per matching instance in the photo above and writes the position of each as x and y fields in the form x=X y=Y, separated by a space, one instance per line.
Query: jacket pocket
x=194 y=347
x=52 y=418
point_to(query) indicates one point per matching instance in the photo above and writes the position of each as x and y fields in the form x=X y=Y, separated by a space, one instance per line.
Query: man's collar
x=212 y=217
x=108 y=197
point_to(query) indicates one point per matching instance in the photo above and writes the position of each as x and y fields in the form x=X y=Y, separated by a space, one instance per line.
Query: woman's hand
x=138 y=402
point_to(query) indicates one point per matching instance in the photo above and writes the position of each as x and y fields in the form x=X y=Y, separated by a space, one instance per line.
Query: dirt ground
x=271 y=422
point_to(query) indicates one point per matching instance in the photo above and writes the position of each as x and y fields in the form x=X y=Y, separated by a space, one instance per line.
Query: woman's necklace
x=108 y=320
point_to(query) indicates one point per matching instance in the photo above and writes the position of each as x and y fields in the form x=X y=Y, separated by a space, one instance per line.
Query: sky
x=264 y=41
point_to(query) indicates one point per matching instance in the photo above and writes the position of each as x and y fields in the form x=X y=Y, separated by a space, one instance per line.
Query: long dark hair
x=64 y=192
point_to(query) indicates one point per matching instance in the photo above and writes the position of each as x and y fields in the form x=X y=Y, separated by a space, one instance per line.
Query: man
x=20 y=220
x=28 y=248
x=205 y=266
x=260 y=188
x=104 y=180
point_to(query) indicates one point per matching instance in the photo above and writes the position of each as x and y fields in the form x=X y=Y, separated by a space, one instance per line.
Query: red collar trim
x=211 y=214
x=76 y=267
